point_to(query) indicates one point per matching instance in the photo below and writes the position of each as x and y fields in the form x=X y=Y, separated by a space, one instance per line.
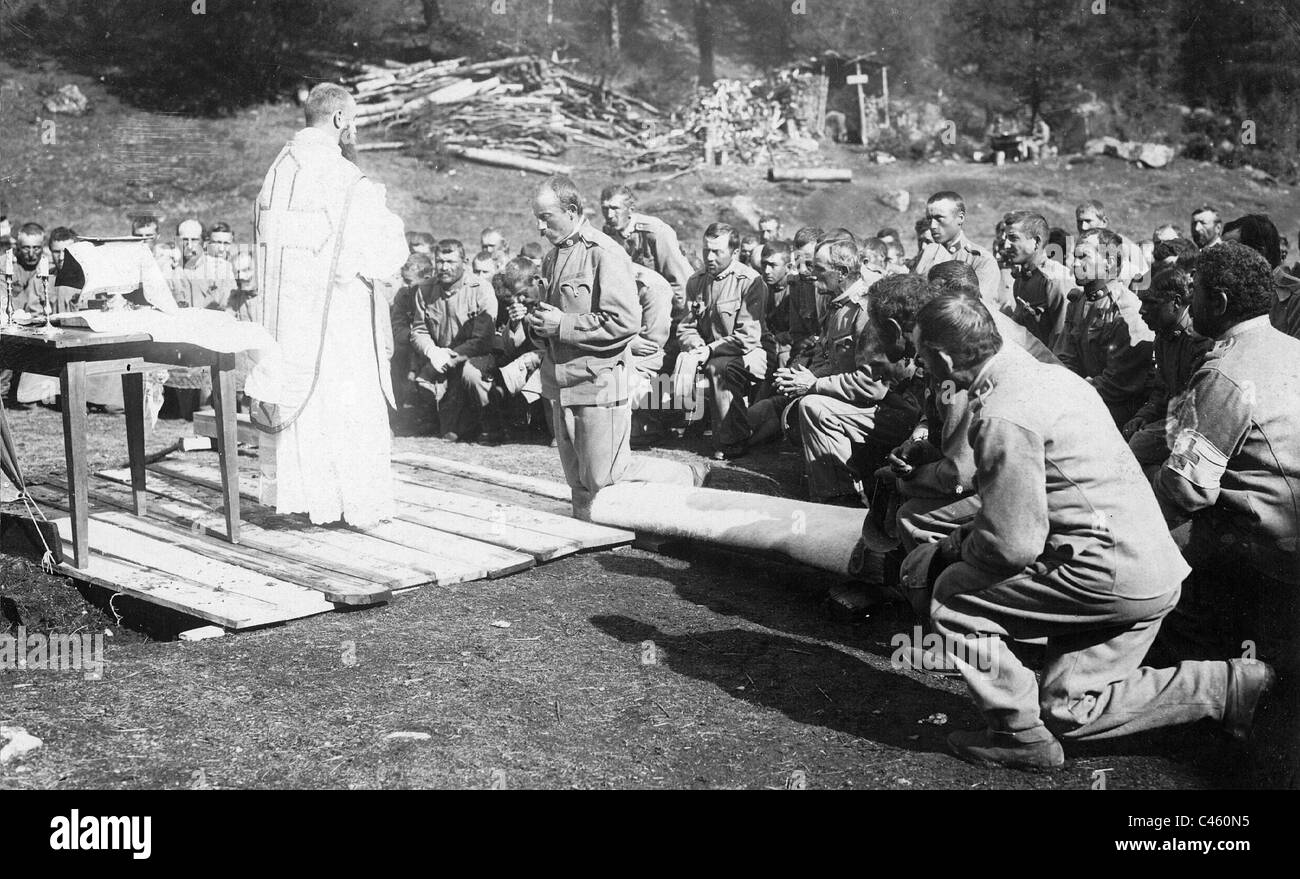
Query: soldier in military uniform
x=648 y=240
x=849 y=419
x=492 y=242
x=451 y=332
x=514 y=381
x=220 y=241
x=726 y=302
x=146 y=227
x=589 y=315
x=27 y=283
x=1111 y=347
x=1069 y=545
x=28 y=287
x=777 y=273
x=59 y=238
x=947 y=214
x=201 y=280
x=805 y=310
x=1166 y=310
x=1234 y=468
x=1040 y=286
x=1091 y=215
x=842 y=326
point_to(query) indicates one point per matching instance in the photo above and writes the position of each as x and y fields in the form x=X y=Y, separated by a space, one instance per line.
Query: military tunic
x=652 y=243
x=1112 y=348
x=455 y=320
x=981 y=260
x=1068 y=544
x=727 y=316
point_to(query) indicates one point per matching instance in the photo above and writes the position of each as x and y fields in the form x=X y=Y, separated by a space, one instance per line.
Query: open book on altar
x=203 y=327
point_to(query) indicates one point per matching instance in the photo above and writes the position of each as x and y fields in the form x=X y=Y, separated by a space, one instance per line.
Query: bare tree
x=615 y=35
x=704 y=40
x=433 y=24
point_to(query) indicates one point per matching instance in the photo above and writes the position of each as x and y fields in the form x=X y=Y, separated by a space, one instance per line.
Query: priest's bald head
x=333 y=110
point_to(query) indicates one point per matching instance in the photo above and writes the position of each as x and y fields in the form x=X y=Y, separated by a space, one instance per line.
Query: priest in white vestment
x=323 y=233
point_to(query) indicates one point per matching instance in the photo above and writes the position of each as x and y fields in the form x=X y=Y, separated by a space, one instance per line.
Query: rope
x=33 y=510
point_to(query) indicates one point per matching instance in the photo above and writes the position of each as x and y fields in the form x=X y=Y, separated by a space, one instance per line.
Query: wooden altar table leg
x=223 y=405
x=133 y=400
x=72 y=385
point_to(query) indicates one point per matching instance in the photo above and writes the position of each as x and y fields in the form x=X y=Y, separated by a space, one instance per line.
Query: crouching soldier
x=451 y=333
x=721 y=335
x=1166 y=310
x=1069 y=545
x=514 y=375
x=1111 y=346
x=850 y=420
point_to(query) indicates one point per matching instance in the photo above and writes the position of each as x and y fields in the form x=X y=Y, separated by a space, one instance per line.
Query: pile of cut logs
x=523 y=112
x=516 y=112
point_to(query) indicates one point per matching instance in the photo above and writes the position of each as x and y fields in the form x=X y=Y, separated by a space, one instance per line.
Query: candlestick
x=9 y=286
x=43 y=272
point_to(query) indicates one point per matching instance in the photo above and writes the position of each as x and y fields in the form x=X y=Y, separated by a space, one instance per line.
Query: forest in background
x=1146 y=61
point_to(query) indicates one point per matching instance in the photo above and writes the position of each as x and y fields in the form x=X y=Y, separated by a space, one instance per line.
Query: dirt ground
x=753 y=684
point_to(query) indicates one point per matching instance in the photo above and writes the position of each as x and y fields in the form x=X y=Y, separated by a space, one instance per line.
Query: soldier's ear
x=945 y=358
x=891 y=333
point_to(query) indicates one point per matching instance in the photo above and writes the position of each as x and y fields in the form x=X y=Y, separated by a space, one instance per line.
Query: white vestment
x=327 y=382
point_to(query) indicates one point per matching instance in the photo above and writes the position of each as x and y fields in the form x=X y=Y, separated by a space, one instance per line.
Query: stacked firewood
x=734 y=122
x=514 y=112
x=524 y=112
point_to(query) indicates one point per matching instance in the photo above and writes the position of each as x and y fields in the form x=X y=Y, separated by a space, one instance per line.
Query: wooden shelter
x=842 y=81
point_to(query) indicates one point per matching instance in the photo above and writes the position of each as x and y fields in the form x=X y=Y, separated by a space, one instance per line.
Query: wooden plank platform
x=585 y=534
x=541 y=547
x=438 y=559
x=281 y=553
x=176 y=578
x=454 y=523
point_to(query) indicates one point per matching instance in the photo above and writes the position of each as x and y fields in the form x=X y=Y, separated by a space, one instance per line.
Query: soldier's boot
x=988 y=748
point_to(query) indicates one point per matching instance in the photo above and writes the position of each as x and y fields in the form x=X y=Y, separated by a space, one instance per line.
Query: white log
x=834 y=175
x=503 y=159
x=818 y=535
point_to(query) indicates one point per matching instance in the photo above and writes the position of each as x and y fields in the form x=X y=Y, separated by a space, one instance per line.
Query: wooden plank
x=585 y=534
x=203 y=532
x=159 y=555
x=190 y=470
x=347 y=580
x=214 y=550
x=544 y=487
x=402 y=564
x=229 y=609
x=205 y=424
x=496 y=561
x=476 y=488
x=543 y=547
